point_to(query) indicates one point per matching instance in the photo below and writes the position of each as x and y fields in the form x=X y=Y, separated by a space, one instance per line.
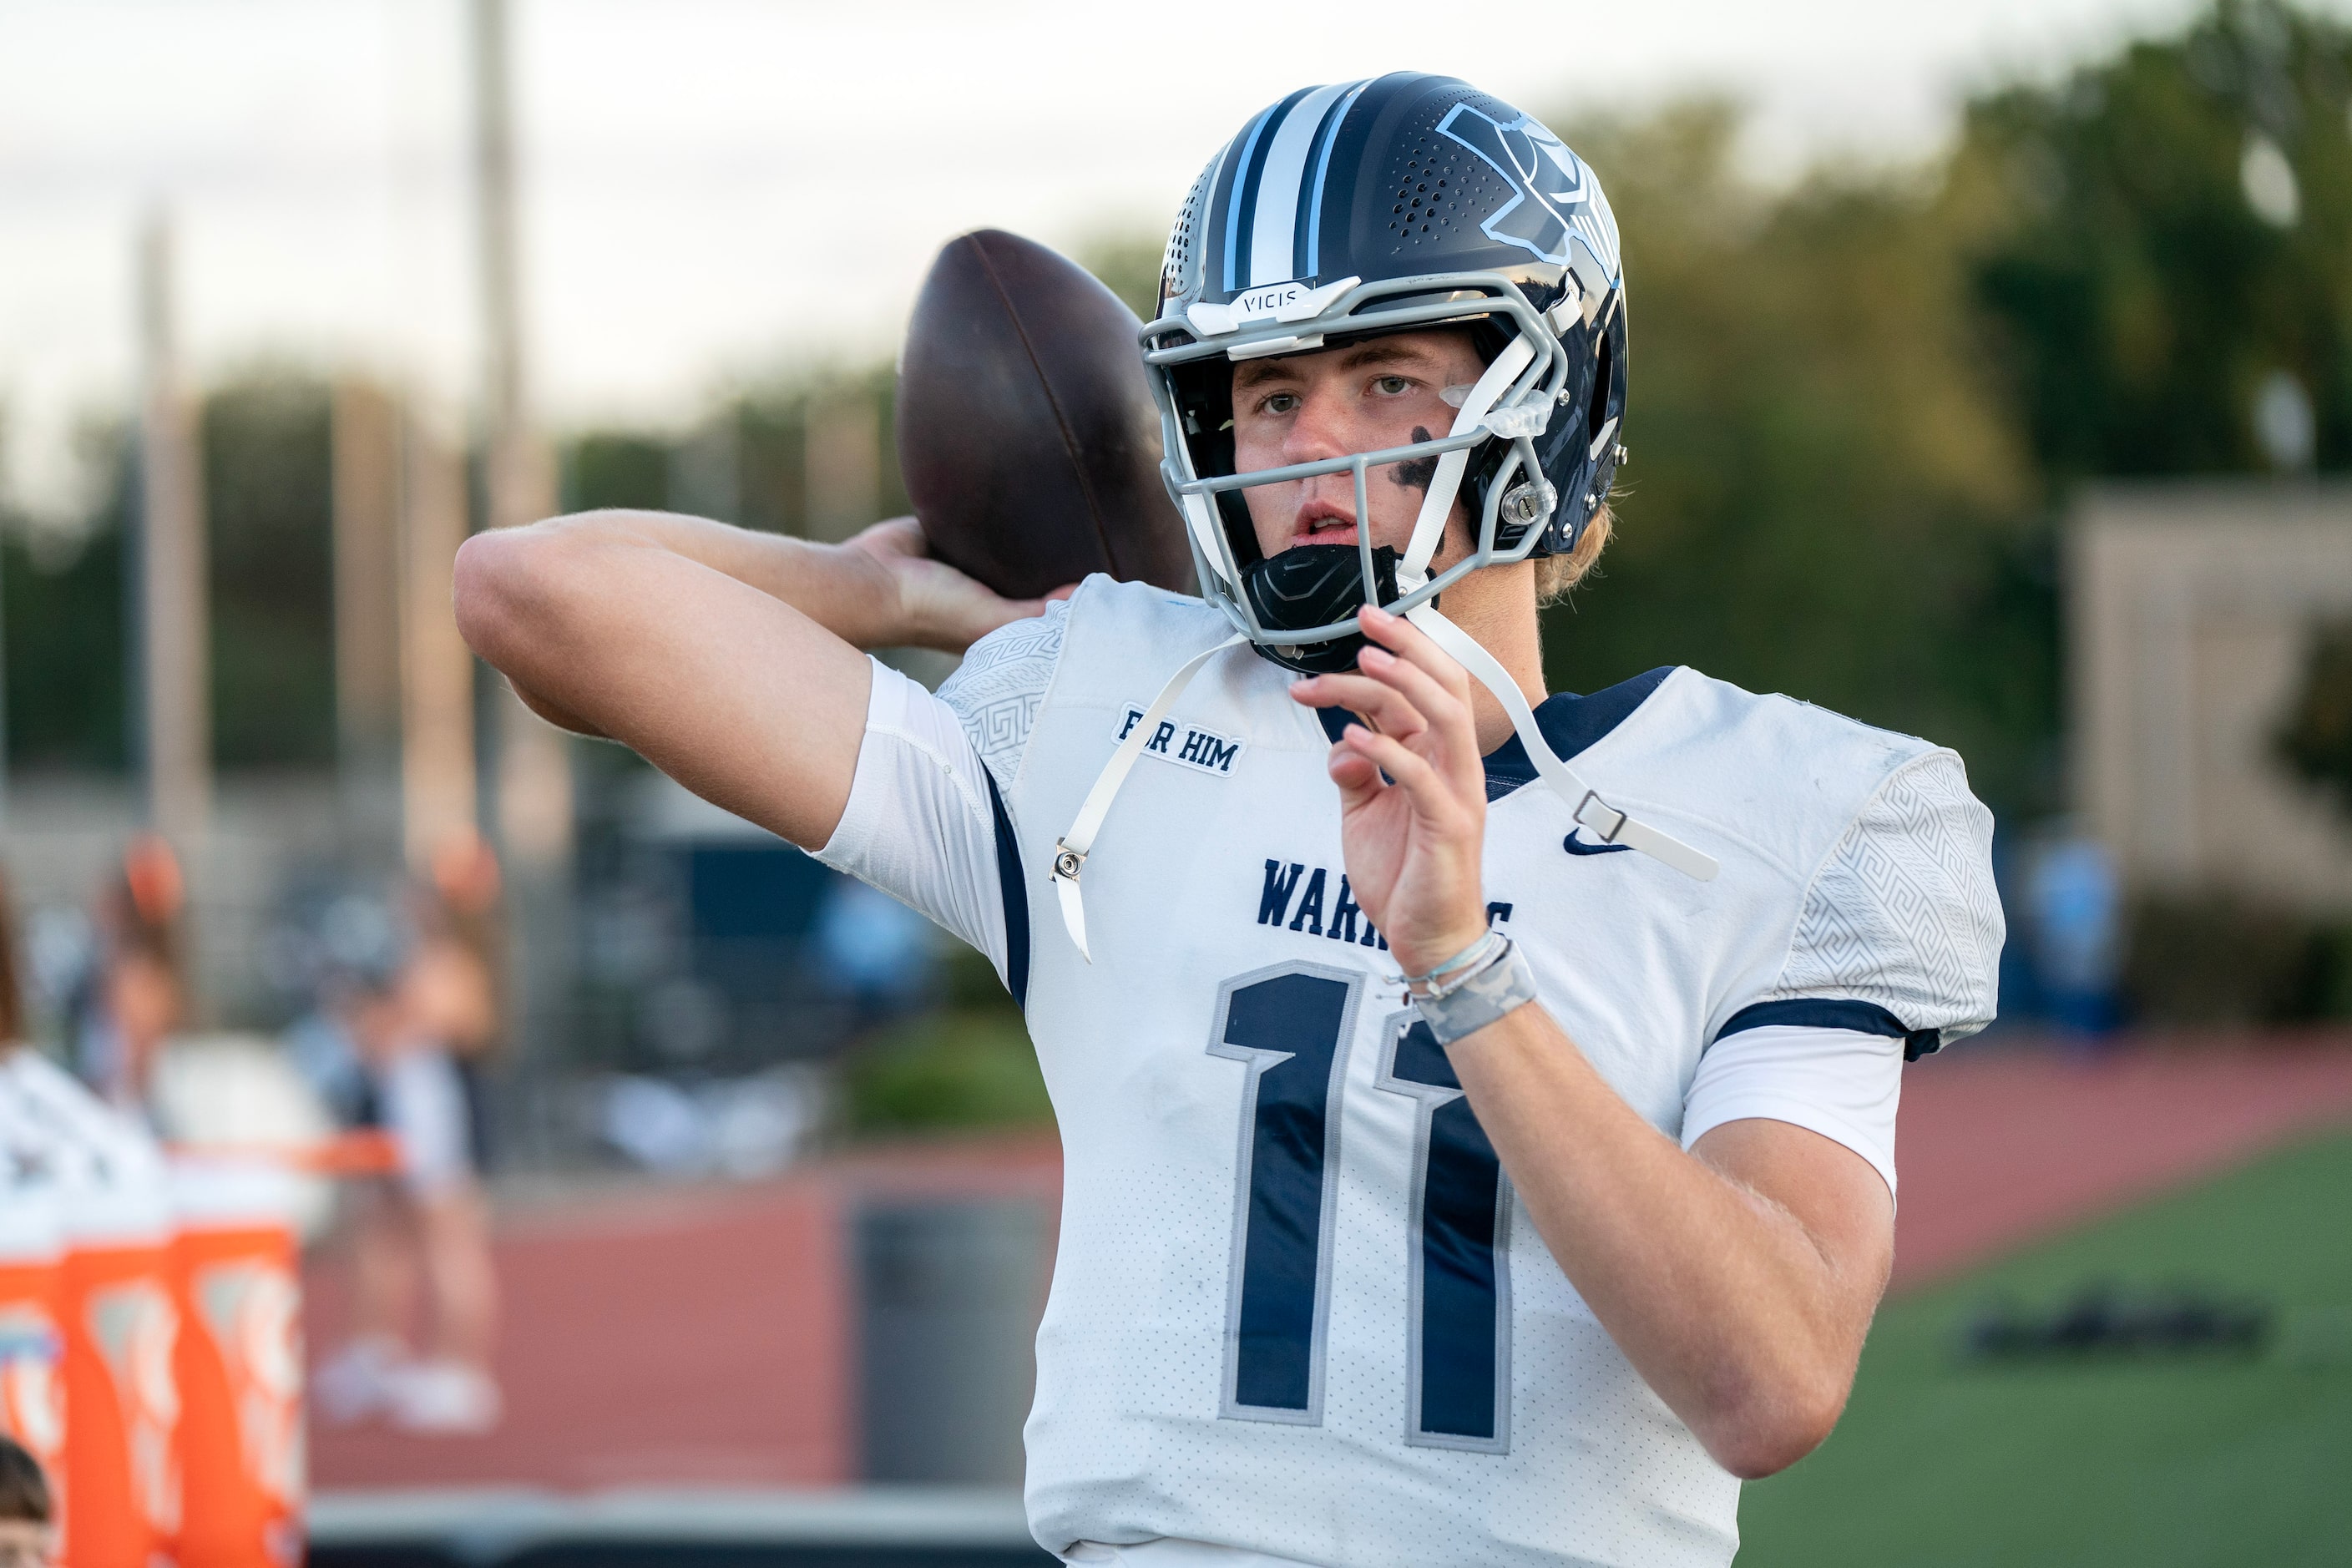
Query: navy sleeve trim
x=1014 y=887
x=1831 y=1013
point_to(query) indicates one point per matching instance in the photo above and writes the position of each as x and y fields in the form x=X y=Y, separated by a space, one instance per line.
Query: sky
x=716 y=189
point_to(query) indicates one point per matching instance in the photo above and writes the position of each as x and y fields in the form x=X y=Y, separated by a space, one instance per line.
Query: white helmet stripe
x=1275 y=224
x=1314 y=267
x=1241 y=185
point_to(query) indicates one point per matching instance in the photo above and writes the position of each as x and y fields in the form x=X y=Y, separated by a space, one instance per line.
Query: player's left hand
x=1412 y=845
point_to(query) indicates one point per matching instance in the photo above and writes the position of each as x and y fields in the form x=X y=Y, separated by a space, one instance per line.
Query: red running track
x=2005 y=1145
x=704 y=1335
x=696 y=1336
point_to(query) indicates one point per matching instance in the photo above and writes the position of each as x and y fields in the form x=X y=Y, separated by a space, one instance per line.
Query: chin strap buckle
x=1607 y=813
x=1067 y=862
x=1612 y=825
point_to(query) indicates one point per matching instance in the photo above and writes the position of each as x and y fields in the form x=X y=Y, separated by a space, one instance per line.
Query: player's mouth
x=1321 y=522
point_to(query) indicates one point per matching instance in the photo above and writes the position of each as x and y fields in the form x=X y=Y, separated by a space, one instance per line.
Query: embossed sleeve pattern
x=919 y=825
x=1903 y=912
x=997 y=688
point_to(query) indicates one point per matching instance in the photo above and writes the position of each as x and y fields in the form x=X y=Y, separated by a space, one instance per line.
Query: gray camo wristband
x=1498 y=988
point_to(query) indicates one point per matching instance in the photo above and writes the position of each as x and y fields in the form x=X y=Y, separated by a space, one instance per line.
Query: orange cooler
x=32 y=1387
x=115 y=1318
x=123 y=1487
x=239 y=1362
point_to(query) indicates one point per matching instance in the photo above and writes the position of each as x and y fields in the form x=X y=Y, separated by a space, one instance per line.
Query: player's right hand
x=938 y=606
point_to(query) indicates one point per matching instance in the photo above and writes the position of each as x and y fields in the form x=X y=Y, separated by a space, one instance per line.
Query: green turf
x=2154 y=1464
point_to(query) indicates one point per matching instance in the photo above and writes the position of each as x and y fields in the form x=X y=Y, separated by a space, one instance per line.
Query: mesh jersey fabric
x=1231 y=960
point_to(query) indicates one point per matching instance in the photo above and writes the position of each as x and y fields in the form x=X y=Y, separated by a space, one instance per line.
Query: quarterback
x=1477 y=1103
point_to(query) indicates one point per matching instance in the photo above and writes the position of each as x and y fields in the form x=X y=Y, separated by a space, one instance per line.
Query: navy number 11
x=1291 y=1024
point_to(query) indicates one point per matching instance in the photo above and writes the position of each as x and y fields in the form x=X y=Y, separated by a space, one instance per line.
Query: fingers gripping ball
x=1026 y=430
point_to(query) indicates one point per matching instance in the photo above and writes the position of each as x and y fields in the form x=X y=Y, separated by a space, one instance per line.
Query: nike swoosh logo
x=1573 y=847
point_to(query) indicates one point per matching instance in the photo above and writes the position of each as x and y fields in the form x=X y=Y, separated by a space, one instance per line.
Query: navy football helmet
x=1392 y=204
x=1396 y=205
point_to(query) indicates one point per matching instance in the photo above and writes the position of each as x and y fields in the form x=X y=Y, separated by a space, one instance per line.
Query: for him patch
x=1177 y=742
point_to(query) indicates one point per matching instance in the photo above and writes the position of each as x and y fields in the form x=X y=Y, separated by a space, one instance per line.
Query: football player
x=1477 y=1104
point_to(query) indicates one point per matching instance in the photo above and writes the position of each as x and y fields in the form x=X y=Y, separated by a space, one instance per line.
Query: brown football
x=1027 y=434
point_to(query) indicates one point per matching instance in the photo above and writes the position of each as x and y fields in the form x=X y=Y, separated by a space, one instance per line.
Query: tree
x=2163 y=234
x=1825 y=496
x=270 y=521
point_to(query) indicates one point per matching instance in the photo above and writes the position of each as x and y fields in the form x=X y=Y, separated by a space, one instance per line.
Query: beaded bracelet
x=1490 y=942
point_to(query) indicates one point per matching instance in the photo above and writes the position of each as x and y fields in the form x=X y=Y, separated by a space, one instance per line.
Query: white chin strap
x=1071 y=849
x=1445 y=484
x=1607 y=823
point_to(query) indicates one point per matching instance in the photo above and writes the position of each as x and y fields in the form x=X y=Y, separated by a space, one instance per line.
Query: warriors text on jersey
x=1298 y=1308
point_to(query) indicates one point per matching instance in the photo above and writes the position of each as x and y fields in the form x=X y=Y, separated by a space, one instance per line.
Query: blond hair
x=1558 y=576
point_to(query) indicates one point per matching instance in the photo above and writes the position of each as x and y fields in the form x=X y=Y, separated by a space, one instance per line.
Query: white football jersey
x=1298 y=1308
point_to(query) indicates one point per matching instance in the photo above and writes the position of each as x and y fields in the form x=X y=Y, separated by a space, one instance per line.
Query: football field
x=2154 y=1460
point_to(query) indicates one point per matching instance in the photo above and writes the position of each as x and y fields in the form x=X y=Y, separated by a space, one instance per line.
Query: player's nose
x=1320 y=429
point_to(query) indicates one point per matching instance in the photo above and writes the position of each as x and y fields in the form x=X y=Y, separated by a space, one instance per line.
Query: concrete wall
x=2188 y=616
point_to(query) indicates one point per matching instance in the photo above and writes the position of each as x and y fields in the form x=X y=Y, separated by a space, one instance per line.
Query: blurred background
x=1992 y=382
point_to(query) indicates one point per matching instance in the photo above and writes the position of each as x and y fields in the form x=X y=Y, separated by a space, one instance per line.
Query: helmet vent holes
x=1176 y=262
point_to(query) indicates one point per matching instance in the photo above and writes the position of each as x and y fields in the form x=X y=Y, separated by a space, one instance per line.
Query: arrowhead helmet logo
x=1556 y=197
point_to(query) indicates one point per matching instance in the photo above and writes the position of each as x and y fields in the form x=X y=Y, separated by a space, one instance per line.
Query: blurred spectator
x=434 y=1099
x=454 y=976
x=12 y=983
x=407 y=1000
x=27 y=1526
x=2074 y=897
x=137 y=994
x=874 y=950
x=339 y=947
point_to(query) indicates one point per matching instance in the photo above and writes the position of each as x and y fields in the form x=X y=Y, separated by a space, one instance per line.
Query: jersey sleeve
x=921 y=822
x=927 y=821
x=1895 y=952
x=1844 y=1084
x=1900 y=930
x=996 y=691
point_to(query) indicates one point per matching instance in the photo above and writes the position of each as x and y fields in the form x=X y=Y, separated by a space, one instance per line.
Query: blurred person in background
x=874 y=952
x=27 y=1520
x=14 y=1025
x=2074 y=897
x=453 y=1011
x=136 y=993
x=454 y=973
x=400 y=1000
